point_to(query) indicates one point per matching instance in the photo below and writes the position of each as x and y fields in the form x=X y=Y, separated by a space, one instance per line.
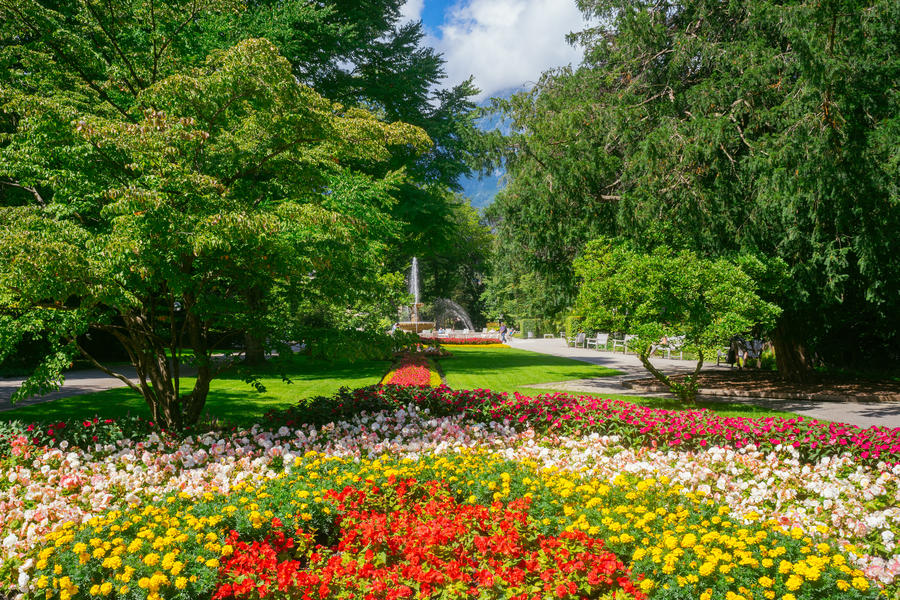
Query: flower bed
x=405 y=538
x=638 y=425
x=687 y=520
x=412 y=370
x=679 y=544
x=462 y=341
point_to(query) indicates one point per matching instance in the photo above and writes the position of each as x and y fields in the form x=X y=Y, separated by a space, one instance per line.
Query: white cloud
x=411 y=10
x=507 y=43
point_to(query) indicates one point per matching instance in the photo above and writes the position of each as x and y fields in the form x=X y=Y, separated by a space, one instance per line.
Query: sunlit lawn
x=233 y=400
x=508 y=369
x=230 y=398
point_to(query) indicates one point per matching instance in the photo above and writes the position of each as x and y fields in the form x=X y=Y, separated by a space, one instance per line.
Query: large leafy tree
x=743 y=127
x=104 y=54
x=668 y=295
x=162 y=220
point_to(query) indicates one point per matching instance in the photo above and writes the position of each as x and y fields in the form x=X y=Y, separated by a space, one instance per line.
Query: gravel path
x=861 y=414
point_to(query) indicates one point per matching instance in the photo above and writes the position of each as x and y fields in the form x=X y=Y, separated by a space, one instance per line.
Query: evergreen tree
x=728 y=128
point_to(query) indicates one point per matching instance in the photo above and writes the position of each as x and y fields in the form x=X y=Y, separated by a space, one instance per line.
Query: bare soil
x=767 y=384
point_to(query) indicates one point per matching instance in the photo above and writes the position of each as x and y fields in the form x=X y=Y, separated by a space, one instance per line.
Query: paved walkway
x=861 y=414
x=76 y=383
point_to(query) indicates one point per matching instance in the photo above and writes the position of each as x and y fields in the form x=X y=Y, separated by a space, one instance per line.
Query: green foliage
x=529 y=324
x=726 y=128
x=668 y=294
x=331 y=344
x=574 y=325
x=220 y=189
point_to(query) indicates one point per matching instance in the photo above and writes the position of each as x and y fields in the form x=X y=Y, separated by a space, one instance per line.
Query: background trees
x=728 y=129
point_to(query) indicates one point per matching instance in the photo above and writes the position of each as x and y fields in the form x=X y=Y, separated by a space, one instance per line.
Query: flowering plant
x=636 y=425
x=407 y=539
x=82 y=433
x=413 y=370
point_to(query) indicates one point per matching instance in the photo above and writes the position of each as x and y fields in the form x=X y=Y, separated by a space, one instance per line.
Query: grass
x=508 y=369
x=230 y=398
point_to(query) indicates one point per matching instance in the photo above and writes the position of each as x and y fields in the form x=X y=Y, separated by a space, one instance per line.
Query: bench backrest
x=602 y=338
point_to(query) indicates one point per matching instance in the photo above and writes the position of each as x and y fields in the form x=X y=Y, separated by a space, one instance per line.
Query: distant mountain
x=481 y=190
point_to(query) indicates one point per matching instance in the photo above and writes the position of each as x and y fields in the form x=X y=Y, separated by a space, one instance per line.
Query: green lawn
x=234 y=401
x=230 y=398
x=508 y=369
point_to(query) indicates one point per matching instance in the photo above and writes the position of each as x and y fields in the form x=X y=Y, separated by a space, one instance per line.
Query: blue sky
x=503 y=43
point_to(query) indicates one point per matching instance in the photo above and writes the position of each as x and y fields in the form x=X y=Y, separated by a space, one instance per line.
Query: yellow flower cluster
x=142 y=548
x=683 y=543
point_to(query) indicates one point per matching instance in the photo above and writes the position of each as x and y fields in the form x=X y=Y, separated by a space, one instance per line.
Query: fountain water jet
x=414 y=324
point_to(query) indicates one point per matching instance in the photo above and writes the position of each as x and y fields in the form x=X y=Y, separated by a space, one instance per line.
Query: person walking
x=503 y=333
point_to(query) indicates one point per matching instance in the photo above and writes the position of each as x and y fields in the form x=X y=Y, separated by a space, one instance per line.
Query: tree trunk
x=790 y=354
x=157 y=376
x=254 y=351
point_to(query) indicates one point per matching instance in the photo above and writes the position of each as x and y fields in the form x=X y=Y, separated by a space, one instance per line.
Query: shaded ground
x=767 y=384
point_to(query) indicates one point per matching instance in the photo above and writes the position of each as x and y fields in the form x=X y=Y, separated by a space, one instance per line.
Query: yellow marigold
x=151 y=559
x=793 y=582
x=860 y=583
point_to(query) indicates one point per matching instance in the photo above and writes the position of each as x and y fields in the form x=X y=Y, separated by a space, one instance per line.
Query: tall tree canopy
x=728 y=128
x=158 y=200
x=356 y=53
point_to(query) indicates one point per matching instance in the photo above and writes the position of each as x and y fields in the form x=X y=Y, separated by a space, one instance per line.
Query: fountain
x=414 y=324
x=446 y=312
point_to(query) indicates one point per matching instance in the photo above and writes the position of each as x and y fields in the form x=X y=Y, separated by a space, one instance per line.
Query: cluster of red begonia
x=412 y=370
x=642 y=425
x=461 y=341
x=413 y=540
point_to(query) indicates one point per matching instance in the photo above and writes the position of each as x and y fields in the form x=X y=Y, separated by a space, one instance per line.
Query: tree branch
x=109 y=372
x=115 y=45
x=34 y=192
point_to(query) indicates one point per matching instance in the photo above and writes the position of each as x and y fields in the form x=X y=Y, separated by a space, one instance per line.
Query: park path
x=75 y=384
x=861 y=414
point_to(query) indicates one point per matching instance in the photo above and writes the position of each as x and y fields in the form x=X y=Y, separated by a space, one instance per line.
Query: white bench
x=598 y=341
x=623 y=343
